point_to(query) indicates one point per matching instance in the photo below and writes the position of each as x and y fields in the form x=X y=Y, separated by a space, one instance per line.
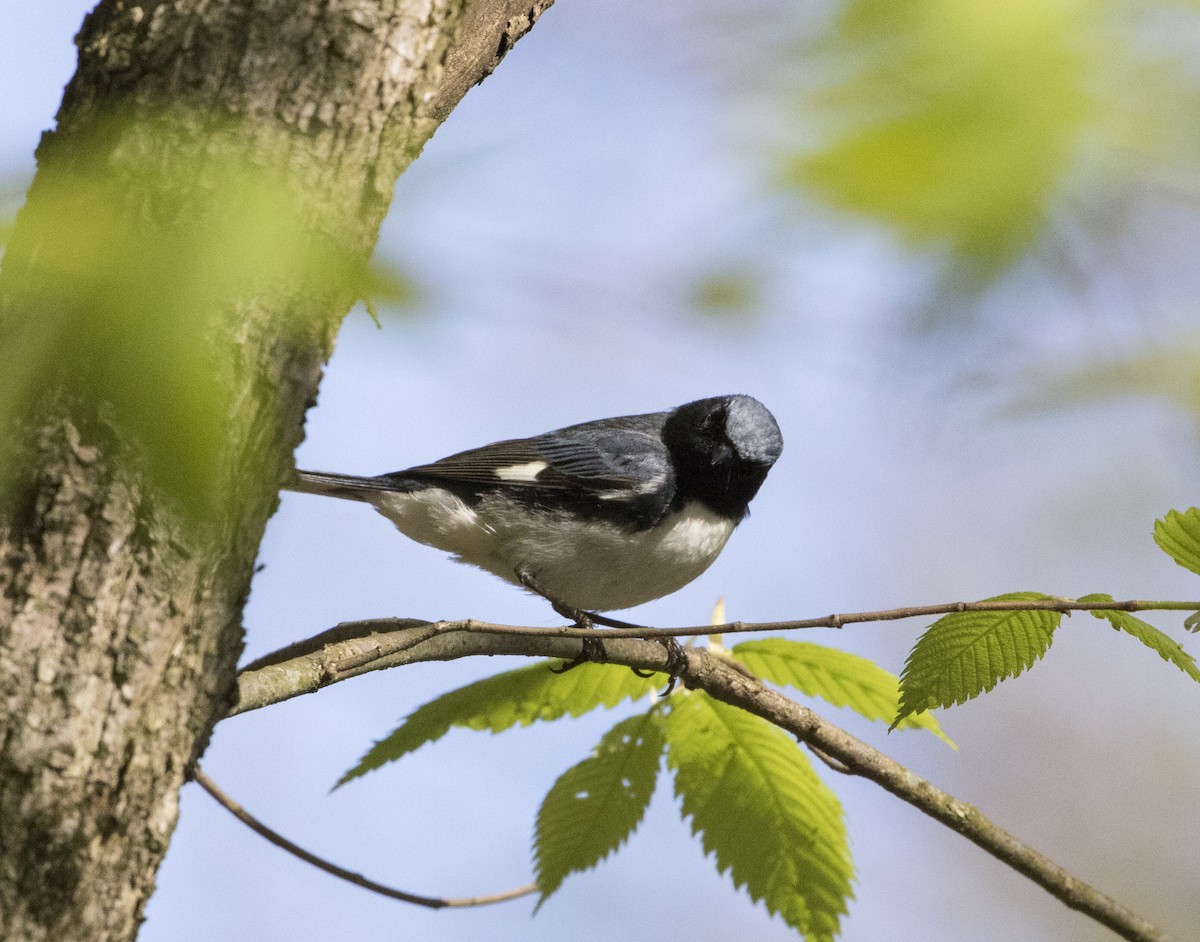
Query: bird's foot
x=593 y=648
x=676 y=662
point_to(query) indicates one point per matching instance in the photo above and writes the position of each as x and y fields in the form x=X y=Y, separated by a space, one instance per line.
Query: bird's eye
x=714 y=424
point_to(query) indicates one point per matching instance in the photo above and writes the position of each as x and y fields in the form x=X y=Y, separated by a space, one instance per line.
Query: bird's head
x=723 y=448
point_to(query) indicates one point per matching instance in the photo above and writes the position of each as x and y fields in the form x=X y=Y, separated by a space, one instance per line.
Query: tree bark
x=119 y=620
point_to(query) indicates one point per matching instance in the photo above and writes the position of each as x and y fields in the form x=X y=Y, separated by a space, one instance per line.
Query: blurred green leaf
x=728 y=292
x=965 y=654
x=1170 y=373
x=838 y=677
x=965 y=126
x=497 y=703
x=387 y=282
x=124 y=266
x=757 y=804
x=594 y=806
x=1166 y=647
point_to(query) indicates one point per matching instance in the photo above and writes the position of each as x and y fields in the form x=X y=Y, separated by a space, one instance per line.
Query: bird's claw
x=676 y=662
x=591 y=650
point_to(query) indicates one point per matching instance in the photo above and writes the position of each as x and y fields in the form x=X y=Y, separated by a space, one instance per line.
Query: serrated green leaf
x=757 y=804
x=1179 y=536
x=505 y=700
x=1167 y=647
x=594 y=806
x=965 y=654
x=837 y=677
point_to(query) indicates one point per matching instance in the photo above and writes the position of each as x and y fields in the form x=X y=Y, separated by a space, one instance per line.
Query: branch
x=359 y=647
x=356 y=647
x=433 y=902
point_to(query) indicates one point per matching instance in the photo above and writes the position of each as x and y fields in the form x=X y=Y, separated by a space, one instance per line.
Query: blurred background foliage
x=971 y=128
x=987 y=138
x=1038 y=161
x=991 y=134
x=1025 y=141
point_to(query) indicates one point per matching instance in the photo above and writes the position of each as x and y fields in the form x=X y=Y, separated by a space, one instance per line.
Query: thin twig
x=1063 y=605
x=840 y=767
x=358 y=647
x=432 y=902
x=366 y=627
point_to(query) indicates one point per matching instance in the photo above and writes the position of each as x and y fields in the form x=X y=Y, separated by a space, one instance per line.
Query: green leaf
x=1179 y=536
x=1167 y=647
x=505 y=700
x=594 y=806
x=926 y=123
x=837 y=677
x=967 y=653
x=757 y=804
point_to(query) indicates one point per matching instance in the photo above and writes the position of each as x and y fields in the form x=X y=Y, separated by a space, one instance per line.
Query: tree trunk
x=120 y=619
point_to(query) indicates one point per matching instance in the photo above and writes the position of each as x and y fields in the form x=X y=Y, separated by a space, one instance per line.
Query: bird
x=595 y=517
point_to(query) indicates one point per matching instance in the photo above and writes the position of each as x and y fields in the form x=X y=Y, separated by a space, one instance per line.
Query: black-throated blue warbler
x=594 y=517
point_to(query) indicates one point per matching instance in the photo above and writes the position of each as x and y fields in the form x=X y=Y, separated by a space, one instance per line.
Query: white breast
x=590 y=565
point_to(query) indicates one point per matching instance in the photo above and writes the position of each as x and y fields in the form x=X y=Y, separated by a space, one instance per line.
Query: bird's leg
x=676 y=658
x=581 y=618
x=593 y=648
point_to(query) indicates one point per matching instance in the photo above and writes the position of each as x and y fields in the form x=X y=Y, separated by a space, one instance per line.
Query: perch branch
x=357 y=647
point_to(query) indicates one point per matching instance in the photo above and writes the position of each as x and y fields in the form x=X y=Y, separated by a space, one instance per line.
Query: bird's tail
x=346 y=486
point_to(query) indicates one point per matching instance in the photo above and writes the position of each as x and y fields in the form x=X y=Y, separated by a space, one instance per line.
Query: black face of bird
x=722 y=449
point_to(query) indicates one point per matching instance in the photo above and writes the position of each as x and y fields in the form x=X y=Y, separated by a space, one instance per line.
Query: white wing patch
x=521 y=472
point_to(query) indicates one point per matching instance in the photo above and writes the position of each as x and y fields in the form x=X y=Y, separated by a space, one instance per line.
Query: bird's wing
x=614 y=463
